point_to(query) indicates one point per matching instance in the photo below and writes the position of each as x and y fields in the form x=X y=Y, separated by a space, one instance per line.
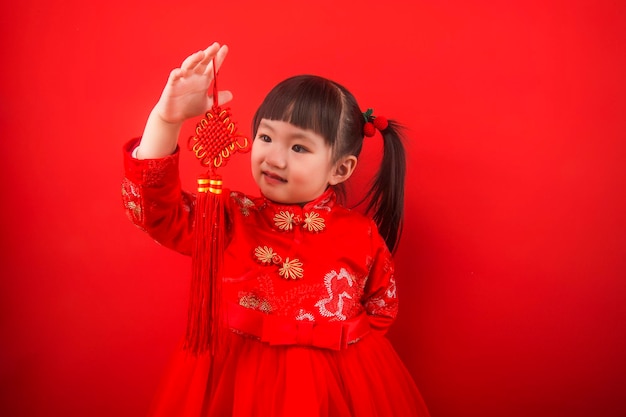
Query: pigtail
x=386 y=196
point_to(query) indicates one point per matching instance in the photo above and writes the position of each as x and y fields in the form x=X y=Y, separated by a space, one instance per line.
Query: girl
x=308 y=285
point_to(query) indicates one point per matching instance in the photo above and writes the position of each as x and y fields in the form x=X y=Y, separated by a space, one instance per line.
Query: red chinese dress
x=310 y=293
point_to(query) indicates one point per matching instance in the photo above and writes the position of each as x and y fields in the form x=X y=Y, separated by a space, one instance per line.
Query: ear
x=343 y=170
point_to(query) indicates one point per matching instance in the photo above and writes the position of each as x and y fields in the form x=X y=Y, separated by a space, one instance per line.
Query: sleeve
x=154 y=201
x=380 y=297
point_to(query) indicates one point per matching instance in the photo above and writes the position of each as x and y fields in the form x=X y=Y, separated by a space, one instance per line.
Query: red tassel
x=215 y=141
x=204 y=326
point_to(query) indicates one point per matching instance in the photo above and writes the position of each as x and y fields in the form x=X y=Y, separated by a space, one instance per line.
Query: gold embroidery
x=313 y=222
x=253 y=302
x=264 y=254
x=291 y=269
x=135 y=208
x=245 y=204
x=284 y=220
x=130 y=196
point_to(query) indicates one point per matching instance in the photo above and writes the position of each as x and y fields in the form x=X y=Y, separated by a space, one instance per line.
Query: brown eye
x=299 y=149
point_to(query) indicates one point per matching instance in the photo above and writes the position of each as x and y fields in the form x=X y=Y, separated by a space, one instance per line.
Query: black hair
x=330 y=110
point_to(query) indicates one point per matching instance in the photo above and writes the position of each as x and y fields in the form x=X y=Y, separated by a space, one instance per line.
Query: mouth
x=273 y=177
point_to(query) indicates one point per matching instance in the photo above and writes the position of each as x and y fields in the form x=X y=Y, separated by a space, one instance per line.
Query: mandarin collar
x=326 y=202
x=310 y=216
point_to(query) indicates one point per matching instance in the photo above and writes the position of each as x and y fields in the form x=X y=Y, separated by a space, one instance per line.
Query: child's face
x=291 y=165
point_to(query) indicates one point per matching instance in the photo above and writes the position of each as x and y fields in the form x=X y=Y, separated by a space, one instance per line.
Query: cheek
x=255 y=153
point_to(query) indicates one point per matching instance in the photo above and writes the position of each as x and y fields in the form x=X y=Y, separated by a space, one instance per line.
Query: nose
x=276 y=157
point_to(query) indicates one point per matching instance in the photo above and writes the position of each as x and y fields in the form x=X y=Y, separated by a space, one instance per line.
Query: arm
x=380 y=299
x=151 y=188
x=154 y=201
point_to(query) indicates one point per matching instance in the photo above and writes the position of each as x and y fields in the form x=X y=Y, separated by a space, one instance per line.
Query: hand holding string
x=185 y=96
x=186 y=93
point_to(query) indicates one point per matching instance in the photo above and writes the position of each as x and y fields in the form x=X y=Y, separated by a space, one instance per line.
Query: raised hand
x=185 y=96
x=186 y=93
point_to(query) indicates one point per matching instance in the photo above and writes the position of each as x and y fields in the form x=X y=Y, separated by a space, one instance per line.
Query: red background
x=511 y=268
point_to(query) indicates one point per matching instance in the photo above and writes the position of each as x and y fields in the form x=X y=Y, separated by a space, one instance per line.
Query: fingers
x=201 y=63
x=192 y=60
x=209 y=54
x=175 y=74
x=217 y=58
x=198 y=61
x=221 y=56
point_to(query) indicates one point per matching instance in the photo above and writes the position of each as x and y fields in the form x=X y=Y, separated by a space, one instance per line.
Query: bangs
x=306 y=101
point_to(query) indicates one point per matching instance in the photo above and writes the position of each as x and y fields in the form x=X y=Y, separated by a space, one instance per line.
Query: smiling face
x=294 y=166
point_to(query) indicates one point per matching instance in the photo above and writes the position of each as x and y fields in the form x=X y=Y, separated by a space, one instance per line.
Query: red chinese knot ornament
x=216 y=139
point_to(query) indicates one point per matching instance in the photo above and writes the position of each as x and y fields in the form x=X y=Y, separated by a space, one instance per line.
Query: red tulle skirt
x=367 y=379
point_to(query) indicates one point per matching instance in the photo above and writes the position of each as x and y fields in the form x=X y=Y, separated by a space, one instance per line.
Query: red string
x=215 y=101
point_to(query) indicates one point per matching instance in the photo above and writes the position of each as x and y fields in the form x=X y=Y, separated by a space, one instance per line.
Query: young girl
x=308 y=285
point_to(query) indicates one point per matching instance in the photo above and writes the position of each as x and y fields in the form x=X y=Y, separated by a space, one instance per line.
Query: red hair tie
x=373 y=122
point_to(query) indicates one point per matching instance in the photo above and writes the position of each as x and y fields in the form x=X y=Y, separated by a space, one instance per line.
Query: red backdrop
x=512 y=264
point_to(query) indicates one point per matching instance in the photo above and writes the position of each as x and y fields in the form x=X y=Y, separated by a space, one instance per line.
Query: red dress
x=310 y=293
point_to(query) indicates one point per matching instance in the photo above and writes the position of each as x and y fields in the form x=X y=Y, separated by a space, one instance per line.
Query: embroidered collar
x=310 y=217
